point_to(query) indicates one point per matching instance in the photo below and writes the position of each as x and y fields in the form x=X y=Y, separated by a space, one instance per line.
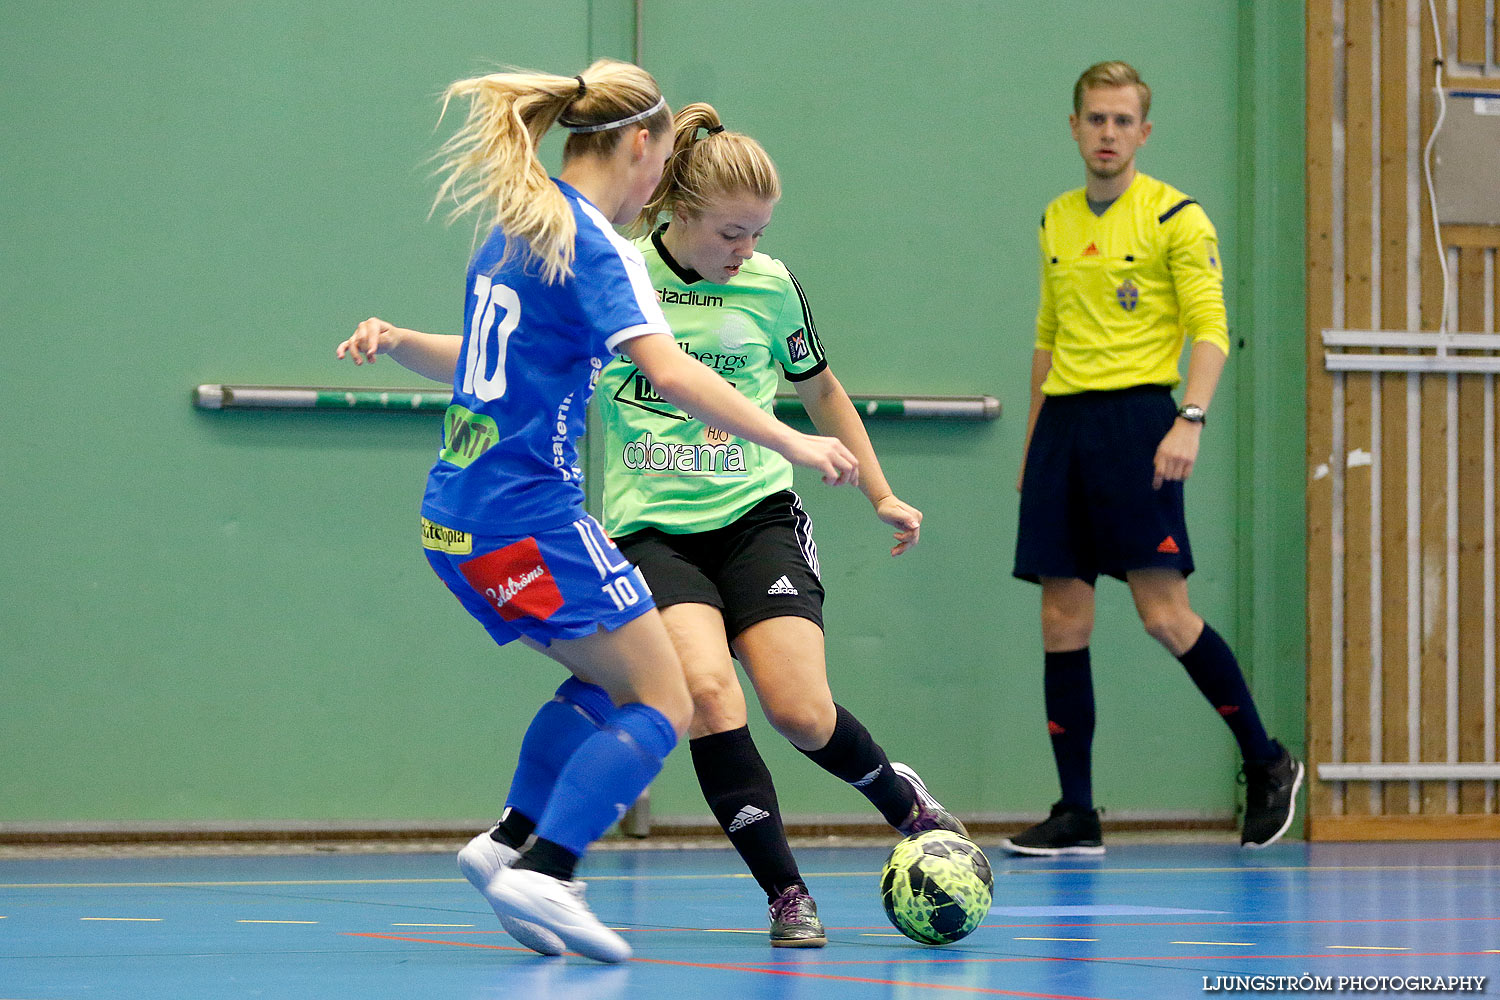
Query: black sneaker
x=1270 y=797
x=794 y=920
x=1068 y=830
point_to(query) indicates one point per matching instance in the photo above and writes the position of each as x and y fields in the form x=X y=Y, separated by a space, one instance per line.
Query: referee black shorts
x=1087 y=506
x=764 y=565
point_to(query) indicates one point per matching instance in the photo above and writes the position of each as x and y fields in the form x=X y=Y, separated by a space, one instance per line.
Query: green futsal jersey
x=666 y=469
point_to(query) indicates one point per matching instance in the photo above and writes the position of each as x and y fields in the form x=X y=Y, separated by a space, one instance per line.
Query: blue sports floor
x=1145 y=921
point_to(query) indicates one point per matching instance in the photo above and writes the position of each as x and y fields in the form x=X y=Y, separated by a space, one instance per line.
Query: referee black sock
x=853 y=755
x=1068 y=687
x=1212 y=666
x=737 y=786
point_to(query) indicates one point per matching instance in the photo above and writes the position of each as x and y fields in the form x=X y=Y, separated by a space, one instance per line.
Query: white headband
x=661 y=102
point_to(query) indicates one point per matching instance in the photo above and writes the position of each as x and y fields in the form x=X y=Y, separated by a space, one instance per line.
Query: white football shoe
x=479 y=860
x=556 y=906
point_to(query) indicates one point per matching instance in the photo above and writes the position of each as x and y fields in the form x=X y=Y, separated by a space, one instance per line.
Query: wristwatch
x=1192 y=413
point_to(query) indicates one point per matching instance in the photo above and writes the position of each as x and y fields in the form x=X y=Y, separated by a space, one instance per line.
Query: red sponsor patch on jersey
x=1169 y=546
x=515 y=580
x=1092 y=250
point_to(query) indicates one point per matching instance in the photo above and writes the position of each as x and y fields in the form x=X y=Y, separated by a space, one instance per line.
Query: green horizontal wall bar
x=294 y=397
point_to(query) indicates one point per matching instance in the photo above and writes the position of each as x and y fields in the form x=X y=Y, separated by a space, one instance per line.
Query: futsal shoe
x=794 y=920
x=1270 y=797
x=1068 y=830
x=928 y=813
x=480 y=859
x=556 y=906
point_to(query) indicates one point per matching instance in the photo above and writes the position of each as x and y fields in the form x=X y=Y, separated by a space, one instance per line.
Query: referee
x=1130 y=269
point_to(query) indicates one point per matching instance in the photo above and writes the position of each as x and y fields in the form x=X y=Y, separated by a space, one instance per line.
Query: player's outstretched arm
x=434 y=355
x=693 y=387
x=833 y=413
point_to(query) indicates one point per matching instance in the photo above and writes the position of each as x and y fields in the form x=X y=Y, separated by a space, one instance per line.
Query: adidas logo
x=746 y=816
x=1169 y=546
x=782 y=586
x=862 y=782
x=1092 y=250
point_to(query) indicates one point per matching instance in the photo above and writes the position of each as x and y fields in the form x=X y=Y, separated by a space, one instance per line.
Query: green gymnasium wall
x=225 y=616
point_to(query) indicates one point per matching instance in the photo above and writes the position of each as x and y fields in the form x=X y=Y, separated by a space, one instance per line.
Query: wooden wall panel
x=1404 y=421
x=1471 y=292
x=1393 y=249
x=1320 y=94
x=1433 y=497
x=1471 y=31
x=1359 y=214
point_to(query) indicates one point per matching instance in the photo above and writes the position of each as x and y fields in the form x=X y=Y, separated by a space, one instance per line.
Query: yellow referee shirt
x=1122 y=290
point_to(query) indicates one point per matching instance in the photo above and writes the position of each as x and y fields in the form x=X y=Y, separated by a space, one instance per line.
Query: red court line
x=1186 y=923
x=1085 y=923
x=1000 y=959
x=723 y=967
x=1249 y=923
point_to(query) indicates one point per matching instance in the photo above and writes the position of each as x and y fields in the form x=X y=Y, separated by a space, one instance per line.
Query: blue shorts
x=1087 y=506
x=562 y=583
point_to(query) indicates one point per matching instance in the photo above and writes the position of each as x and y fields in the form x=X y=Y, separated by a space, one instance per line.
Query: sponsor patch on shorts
x=450 y=540
x=515 y=581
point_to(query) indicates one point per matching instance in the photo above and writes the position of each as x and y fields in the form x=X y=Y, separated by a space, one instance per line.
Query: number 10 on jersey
x=497 y=313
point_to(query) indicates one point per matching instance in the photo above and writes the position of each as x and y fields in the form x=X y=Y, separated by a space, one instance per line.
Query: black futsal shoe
x=1068 y=830
x=1270 y=797
x=928 y=813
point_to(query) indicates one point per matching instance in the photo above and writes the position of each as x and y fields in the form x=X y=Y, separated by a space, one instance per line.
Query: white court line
x=1227 y=944
x=678 y=878
x=1053 y=939
x=127 y=920
x=1369 y=947
x=432 y=925
x=277 y=922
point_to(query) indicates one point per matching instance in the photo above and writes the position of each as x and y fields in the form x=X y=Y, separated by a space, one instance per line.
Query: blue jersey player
x=552 y=295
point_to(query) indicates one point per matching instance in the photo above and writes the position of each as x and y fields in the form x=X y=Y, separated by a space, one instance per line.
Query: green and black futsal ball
x=936 y=887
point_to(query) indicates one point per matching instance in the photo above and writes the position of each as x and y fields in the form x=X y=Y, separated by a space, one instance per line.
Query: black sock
x=1212 y=666
x=1069 y=694
x=513 y=828
x=737 y=786
x=549 y=858
x=853 y=755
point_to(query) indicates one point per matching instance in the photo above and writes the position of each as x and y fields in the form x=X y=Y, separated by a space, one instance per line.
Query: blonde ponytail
x=490 y=165
x=708 y=166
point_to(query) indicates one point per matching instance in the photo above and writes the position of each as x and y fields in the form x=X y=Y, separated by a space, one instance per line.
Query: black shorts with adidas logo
x=764 y=565
x=1087 y=506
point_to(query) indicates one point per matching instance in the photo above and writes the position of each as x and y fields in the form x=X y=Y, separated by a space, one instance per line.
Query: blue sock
x=1069 y=691
x=1212 y=666
x=605 y=775
x=575 y=713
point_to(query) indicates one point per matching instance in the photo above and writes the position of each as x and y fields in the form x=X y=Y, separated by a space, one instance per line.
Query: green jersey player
x=712 y=522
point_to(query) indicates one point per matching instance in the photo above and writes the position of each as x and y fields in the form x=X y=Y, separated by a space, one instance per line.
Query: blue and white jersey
x=530 y=357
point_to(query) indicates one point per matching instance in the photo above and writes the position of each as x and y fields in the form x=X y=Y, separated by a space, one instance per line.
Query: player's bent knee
x=804 y=724
x=718 y=700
